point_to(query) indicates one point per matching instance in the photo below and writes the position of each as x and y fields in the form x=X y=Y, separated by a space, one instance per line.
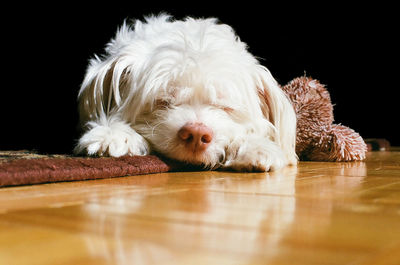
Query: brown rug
x=25 y=168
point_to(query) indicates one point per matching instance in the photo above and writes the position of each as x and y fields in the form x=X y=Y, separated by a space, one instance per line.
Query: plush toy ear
x=277 y=108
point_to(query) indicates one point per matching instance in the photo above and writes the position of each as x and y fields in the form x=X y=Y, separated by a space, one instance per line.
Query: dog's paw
x=116 y=140
x=256 y=157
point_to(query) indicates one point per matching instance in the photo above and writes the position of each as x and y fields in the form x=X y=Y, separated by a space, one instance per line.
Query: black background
x=351 y=49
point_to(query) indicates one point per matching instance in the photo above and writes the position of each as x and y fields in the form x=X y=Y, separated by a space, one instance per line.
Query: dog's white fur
x=161 y=74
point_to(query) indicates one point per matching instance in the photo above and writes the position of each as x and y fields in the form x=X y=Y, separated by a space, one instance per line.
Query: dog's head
x=190 y=95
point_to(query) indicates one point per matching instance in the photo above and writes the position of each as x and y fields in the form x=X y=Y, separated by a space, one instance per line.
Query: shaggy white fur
x=159 y=75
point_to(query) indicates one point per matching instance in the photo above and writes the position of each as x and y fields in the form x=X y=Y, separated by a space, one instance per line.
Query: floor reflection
x=246 y=215
x=224 y=212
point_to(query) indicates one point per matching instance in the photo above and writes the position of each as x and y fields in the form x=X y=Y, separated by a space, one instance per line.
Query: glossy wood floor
x=317 y=213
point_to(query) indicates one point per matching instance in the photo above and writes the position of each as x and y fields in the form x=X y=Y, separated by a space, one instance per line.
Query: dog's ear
x=277 y=109
x=105 y=88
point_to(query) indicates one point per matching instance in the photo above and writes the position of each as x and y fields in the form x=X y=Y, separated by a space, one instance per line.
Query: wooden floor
x=317 y=213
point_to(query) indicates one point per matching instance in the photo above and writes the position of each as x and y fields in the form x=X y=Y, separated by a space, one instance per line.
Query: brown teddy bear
x=317 y=138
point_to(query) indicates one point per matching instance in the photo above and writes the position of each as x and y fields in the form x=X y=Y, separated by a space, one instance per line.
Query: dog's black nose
x=196 y=136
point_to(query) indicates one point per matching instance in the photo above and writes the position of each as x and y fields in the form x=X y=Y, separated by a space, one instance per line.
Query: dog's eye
x=161 y=103
x=227 y=109
x=224 y=108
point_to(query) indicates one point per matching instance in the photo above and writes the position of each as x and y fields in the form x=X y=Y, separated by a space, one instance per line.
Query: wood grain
x=317 y=213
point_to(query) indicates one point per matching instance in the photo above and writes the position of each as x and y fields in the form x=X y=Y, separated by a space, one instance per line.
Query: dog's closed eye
x=224 y=108
x=162 y=104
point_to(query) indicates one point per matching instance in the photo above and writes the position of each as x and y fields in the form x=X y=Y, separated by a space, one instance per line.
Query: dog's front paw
x=116 y=140
x=256 y=157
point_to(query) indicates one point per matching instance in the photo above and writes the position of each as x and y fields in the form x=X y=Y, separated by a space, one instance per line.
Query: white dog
x=188 y=90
